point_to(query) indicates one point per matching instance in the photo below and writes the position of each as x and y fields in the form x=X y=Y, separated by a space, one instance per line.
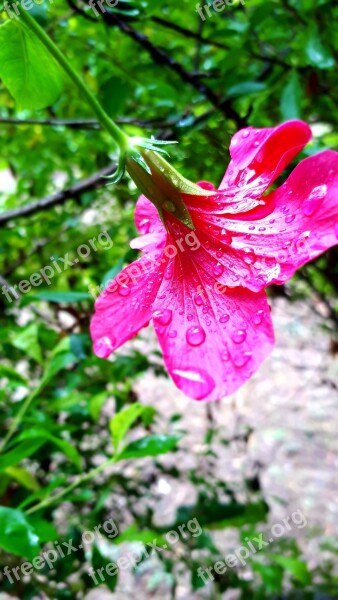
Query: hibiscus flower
x=202 y=277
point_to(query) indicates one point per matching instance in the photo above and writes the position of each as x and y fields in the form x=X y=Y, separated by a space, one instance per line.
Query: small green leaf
x=63 y=445
x=151 y=445
x=27 y=69
x=99 y=561
x=17 y=536
x=316 y=53
x=95 y=405
x=290 y=103
x=24 y=450
x=27 y=341
x=246 y=87
x=23 y=476
x=297 y=568
x=59 y=297
x=123 y=420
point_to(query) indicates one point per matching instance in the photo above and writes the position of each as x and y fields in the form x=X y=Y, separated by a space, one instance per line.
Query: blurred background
x=263 y=461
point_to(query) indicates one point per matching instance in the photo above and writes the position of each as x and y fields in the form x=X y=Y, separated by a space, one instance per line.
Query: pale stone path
x=292 y=406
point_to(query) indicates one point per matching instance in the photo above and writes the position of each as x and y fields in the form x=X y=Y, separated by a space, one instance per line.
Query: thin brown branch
x=75 y=191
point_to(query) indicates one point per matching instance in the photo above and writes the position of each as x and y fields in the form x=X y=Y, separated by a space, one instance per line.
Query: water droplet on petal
x=258 y=317
x=241 y=359
x=195 y=336
x=172 y=334
x=224 y=319
x=190 y=317
x=290 y=218
x=249 y=256
x=124 y=290
x=314 y=201
x=104 y=346
x=225 y=355
x=218 y=269
x=163 y=316
x=195 y=383
x=198 y=300
x=239 y=336
x=245 y=133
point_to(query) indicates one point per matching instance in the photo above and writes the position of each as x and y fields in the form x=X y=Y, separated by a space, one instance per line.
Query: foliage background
x=156 y=67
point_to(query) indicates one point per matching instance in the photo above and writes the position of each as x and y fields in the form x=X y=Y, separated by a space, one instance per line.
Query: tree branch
x=92 y=182
x=161 y=58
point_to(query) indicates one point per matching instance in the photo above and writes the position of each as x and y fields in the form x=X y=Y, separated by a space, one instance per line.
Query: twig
x=92 y=182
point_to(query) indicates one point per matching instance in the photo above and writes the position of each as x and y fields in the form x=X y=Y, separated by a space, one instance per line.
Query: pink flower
x=203 y=289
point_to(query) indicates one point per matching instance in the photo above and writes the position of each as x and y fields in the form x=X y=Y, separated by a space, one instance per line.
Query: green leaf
x=24 y=450
x=27 y=341
x=123 y=420
x=95 y=405
x=45 y=530
x=317 y=55
x=30 y=73
x=151 y=445
x=17 y=536
x=272 y=576
x=63 y=445
x=12 y=375
x=297 y=568
x=114 y=94
x=24 y=477
x=246 y=87
x=58 y=297
x=99 y=561
x=290 y=103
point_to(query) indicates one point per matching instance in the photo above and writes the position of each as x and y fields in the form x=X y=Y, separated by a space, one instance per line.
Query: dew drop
x=172 y=334
x=218 y=269
x=241 y=359
x=224 y=319
x=225 y=355
x=195 y=336
x=245 y=133
x=190 y=317
x=290 y=218
x=124 y=290
x=314 y=201
x=258 y=317
x=195 y=383
x=163 y=317
x=249 y=256
x=239 y=336
x=104 y=346
x=198 y=300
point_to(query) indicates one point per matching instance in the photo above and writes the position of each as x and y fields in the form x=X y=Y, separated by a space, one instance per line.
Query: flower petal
x=125 y=306
x=302 y=225
x=213 y=339
x=147 y=219
x=260 y=155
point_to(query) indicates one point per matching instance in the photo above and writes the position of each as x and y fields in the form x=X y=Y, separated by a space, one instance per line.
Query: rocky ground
x=292 y=406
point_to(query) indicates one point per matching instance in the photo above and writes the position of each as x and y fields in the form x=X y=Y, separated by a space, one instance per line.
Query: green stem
x=81 y=479
x=118 y=135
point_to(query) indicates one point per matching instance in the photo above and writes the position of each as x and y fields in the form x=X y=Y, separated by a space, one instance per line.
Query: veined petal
x=302 y=225
x=214 y=339
x=260 y=155
x=147 y=219
x=125 y=306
